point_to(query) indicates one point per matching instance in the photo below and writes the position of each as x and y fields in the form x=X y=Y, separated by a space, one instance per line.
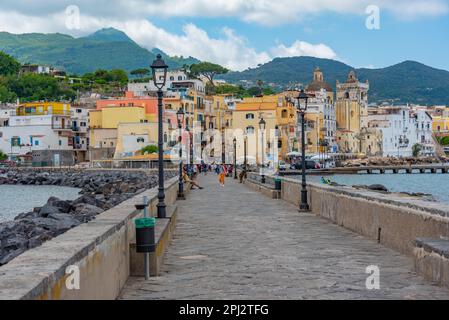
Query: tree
x=207 y=70
x=3 y=156
x=6 y=95
x=35 y=87
x=8 y=65
x=149 y=149
x=416 y=149
x=140 y=73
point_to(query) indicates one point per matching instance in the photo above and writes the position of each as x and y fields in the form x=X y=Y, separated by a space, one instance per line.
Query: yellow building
x=104 y=123
x=43 y=108
x=440 y=124
x=132 y=137
x=280 y=118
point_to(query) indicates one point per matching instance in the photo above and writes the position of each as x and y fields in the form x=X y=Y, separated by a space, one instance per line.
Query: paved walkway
x=234 y=243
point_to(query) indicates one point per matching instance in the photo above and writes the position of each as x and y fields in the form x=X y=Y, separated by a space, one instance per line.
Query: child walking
x=222 y=172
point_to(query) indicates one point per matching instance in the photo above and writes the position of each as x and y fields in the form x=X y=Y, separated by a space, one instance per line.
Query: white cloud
x=301 y=48
x=230 y=50
x=265 y=12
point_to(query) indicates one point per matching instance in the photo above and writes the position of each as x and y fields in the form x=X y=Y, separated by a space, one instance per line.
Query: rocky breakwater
x=100 y=191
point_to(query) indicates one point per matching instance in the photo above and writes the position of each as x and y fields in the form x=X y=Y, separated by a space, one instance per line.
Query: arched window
x=172 y=78
x=347 y=95
x=179 y=78
x=284 y=113
x=250 y=116
x=250 y=130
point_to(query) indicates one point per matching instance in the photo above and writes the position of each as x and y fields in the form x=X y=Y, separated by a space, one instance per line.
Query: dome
x=318 y=82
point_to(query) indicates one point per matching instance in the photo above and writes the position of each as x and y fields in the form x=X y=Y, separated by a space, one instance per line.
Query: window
x=250 y=116
x=60 y=142
x=179 y=78
x=250 y=130
x=284 y=113
x=36 y=142
x=140 y=140
x=172 y=78
x=15 y=141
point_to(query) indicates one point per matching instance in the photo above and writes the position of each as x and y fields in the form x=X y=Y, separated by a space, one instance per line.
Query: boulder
x=47 y=210
x=378 y=187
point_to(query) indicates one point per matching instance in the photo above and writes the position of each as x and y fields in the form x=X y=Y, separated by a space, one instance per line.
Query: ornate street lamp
x=302 y=99
x=262 y=126
x=188 y=158
x=235 y=157
x=159 y=70
x=245 y=147
x=180 y=116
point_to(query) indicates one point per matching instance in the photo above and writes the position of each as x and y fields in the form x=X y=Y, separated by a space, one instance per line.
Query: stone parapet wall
x=391 y=220
x=100 y=249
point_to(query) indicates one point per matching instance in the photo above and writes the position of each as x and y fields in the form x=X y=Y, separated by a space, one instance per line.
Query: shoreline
x=100 y=191
x=36 y=195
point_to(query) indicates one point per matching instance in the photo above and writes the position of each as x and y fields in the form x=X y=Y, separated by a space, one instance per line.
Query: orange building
x=149 y=103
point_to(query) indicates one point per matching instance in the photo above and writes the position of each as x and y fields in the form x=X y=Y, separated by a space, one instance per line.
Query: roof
x=318 y=85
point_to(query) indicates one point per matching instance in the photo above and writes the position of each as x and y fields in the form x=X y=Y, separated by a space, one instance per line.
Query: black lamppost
x=235 y=157
x=188 y=158
x=262 y=125
x=180 y=116
x=223 y=155
x=159 y=70
x=245 y=151
x=302 y=107
x=191 y=150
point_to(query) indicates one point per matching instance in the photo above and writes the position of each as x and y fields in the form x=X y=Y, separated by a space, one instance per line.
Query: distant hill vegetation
x=406 y=82
x=105 y=49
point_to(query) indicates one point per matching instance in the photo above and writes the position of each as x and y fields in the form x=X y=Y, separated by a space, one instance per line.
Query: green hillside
x=407 y=82
x=106 y=49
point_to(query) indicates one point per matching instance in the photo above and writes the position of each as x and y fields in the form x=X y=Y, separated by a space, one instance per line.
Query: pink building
x=150 y=103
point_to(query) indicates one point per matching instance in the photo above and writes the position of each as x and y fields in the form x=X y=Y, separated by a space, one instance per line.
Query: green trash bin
x=145 y=237
x=278 y=184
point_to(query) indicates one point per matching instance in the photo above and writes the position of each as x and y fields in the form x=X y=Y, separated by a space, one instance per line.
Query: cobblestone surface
x=234 y=243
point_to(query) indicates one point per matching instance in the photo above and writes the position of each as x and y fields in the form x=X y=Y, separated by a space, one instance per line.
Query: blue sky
x=244 y=33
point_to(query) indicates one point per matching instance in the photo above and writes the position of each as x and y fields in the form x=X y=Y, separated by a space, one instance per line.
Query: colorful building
x=39 y=132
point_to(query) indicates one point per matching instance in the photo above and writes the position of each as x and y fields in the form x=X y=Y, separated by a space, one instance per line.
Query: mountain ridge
x=107 y=49
x=406 y=82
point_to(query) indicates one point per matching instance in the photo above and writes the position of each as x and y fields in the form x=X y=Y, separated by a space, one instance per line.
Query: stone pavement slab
x=234 y=243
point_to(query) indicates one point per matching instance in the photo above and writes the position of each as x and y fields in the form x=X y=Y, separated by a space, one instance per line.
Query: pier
x=409 y=169
x=247 y=241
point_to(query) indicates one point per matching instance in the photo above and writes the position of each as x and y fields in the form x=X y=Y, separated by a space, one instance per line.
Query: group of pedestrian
x=190 y=173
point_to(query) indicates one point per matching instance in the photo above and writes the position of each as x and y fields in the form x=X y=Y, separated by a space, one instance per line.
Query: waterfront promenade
x=235 y=243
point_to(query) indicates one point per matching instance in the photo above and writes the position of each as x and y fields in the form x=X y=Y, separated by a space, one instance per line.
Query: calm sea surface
x=435 y=184
x=15 y=199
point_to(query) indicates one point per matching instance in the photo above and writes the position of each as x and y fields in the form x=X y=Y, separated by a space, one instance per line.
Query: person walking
x=222 y=171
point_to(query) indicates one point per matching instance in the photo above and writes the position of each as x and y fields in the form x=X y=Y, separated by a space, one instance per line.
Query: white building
x=48 y=134
x=424 y=133
x=399 y=130
x=80 y=126
x=175 y=79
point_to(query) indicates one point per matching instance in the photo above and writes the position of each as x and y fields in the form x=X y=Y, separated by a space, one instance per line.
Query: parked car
x=282 y=166
x=310 y=164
